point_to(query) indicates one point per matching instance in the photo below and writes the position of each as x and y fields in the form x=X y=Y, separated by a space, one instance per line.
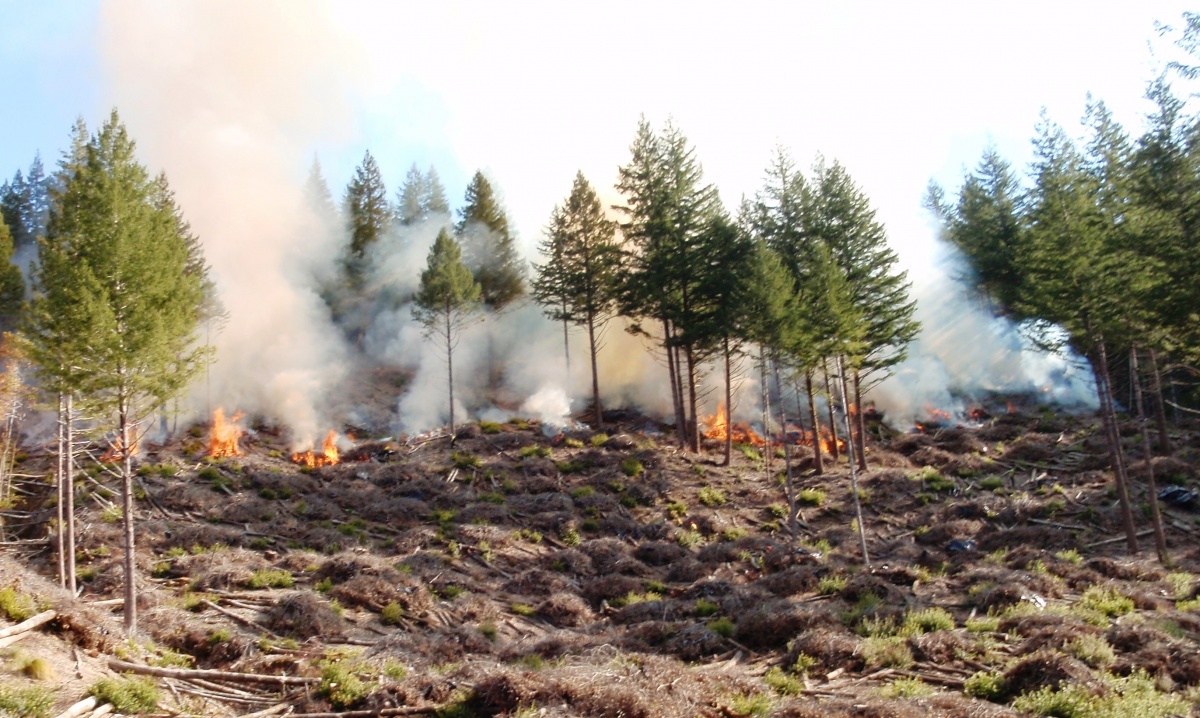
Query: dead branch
x=401 y=711
x=84 y=706
x=273 y=710
x=240 y=619
x=29 y=624
x=188 y=673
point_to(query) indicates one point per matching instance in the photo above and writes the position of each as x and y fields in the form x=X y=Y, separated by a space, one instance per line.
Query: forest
x=813 y=560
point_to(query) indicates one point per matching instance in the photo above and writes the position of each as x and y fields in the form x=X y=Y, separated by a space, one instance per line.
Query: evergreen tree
x=577 y=282
x=12 y=285
x=409 y=199
x=488 y=246
x=116 y=306
x=368 y=216
x=319 y=200
x=448 y=299
x=433 y=199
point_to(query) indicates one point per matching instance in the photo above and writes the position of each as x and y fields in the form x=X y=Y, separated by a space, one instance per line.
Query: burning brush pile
x=225 y=436
x=718 y=427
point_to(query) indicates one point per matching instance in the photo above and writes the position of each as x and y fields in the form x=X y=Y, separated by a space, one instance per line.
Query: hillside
x=614 y=575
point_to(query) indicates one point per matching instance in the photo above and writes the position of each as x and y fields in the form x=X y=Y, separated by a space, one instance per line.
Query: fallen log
x=84 y=706
x=401 y=711
x=29 y=624
x=273 y=710
x=240 y=619
x=188 y=673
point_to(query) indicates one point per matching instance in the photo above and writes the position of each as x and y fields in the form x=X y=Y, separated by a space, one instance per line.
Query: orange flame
x=116 y=452
x=328 y=456
x=224 y=435
x=717 y=427
x=937 y=415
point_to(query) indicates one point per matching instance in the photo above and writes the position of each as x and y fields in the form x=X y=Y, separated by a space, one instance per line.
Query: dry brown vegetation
x=513 y=573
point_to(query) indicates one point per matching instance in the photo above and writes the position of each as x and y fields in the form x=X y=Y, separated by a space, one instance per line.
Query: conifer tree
x=12 y=285
x=368 y=216
x=420 y=197
x=319 y=200
x=577 y=282
x=447 y=301
x=433 y=198
x=115 y=312
x=488 y=247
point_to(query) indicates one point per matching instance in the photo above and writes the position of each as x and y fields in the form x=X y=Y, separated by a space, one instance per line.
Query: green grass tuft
x=128 y=694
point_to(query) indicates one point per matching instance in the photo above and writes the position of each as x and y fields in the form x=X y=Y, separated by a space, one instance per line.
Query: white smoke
x=228 y=98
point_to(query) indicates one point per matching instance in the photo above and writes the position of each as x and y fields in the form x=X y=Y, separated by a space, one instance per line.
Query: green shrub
x=723 y=627
x=1134 y=696
x=598 y=439
x=17 y=606
x=489 y=427
x=489 y=631
x=30 y=666
x=1092 y=650
x=392 y=614
x=906 y=688
x=777 y=510
x=26 y=701
x=523 y=609
x=572 y=466
x=983 y=624
x=734 y=533
x=529 y=535
x=1107 y=601
x=209 y=473
x=986 y=685
x=756 y=705
x=1070 y=556
x=128 y=694
x=782 y=683
x=464 y=460
x=341 y=684
x=927 y=621
x=632 y=467
x=492 y=497
x=1181 y=584
x=271 y=578
x=809 y=497
x=991 y=483
x=885 y=652
x=582 y=492
x=749 y=452
x=690 y=539
x=831 y=584
x=711 y=497
x=704 y=608
x=676 y=510
x=570 y=537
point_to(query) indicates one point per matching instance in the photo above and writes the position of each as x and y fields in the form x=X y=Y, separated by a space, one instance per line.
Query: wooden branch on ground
x=273 y=710
x=240 y=619
x=189 y=673
x=1117 y=539
x=84 y=706
x=401 y=711
x=29 y=624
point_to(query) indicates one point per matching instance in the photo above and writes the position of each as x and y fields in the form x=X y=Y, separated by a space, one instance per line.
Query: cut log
x=188 y=673
x=84 y=706
x=273 y=710
x=29 y=624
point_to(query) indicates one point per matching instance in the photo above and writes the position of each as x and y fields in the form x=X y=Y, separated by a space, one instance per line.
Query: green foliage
x=722 y=627
x=582 y=492
x=341 y=683
x=489 y=631
x=490 y=427
x=705 y=608
x=734 y=533
x=983 y=624
x=392 y=614
x=778 y=510
x=711 y=497
x=831 y=584
x=26 y=701
x=529 y=535
x=540 y=451
x=488 y=246
x=1107 y=601
x=572 y=466
x=632 y=467
x=689 y=539
x=782 y=683
x=1070 y=556
x=810 y=497
x=986 y=685
x=598 y=440
x=128 y=694
x=570 y=537
x=1092 y=650
x=17 y=606
x=885 y=652
x=756 y=705
x=1134 y=696
x=523 y=609
x=991 y=483
x=1182 y=584
x=906 y=688
x=749 y=452
x=927 y=620
x=270 y=578
x=464 y=460
x=677 y=510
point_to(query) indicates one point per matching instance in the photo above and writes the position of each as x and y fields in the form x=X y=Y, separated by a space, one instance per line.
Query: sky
x=233 y=99
x=900 y=93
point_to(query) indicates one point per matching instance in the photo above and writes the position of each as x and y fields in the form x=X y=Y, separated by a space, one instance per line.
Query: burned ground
x=598 y=575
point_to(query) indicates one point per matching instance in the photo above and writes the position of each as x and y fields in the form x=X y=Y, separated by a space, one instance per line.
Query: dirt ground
x=613 y=574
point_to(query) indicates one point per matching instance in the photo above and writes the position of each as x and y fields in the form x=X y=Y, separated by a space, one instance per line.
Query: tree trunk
x=595 y=372
x=862 y=529
x=833 y=432
x=1160 y=409
x=693 y=426
x=69 y=491
x=567 y=345
x=860 y=425
x=728 y=406
x=450 y=370
x=676 y=386
x=60 y=476
x=127 y=503
x=787 y=459
x=1112 y=432
x=766 y=409
x=818 y=460
x=1160 y=538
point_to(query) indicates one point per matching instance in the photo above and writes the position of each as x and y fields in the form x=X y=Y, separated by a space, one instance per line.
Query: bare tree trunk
x=676 y=385
x=127 y=503
x=860 y=424
x=862 y=529
x=787 y=459
x=69 y=490
x=566 y=344
x=595 y=372
x=60 y=476
x=766 y=409
x=728 y=406
x=450 y=370
x=1160 y=538
x=1113 y=434
x=693 y=427
x=1160 y=409
x=818 y=460
x=833 y=432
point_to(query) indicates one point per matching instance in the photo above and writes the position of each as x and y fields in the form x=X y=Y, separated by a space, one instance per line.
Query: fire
x=717 y=427
x=116 y=452
x=938 y=415
x=328 y=456
x=224 y=435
